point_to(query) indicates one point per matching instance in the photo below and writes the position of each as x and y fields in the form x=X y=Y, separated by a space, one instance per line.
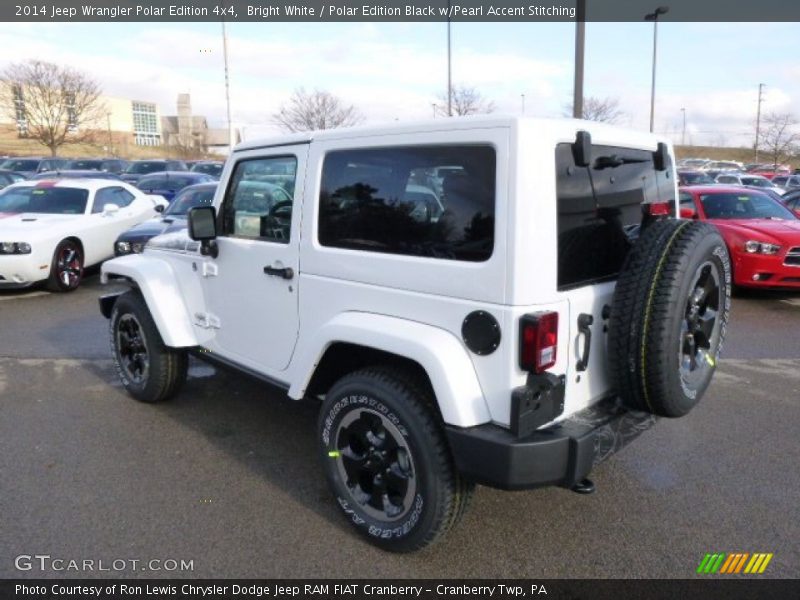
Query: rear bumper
x=562 y=454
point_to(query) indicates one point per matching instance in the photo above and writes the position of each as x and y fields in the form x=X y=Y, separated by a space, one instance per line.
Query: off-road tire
x=58 y=267
x=659 y=316
x=440 y=496
x=166 y=367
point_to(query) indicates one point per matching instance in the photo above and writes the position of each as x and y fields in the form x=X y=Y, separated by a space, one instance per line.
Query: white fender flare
x=439 y=352
x=156 y=280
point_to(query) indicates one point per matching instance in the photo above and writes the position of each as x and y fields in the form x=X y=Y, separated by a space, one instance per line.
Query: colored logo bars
x=734 y=563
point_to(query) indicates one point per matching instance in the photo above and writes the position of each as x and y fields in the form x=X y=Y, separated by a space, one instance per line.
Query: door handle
x=585 y=327
x=285 y=273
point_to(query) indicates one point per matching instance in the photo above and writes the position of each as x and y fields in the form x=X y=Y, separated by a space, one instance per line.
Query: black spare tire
x=669 y=316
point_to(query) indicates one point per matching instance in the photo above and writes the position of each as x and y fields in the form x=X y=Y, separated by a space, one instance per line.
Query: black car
x=9 y=177
x=209 y=167
x=139 y=168
x=74 y=174
x=173 y=219
x=30 y=166
x=109 y=165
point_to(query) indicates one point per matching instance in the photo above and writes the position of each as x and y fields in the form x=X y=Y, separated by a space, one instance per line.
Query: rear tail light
x=659 y=209
x=538 y=341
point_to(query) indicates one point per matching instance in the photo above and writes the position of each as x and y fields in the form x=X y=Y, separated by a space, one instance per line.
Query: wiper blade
x=613 y=161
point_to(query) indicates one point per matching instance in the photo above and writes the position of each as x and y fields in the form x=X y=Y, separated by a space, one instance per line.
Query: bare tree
x=51 y=104
x=603 y=110
x=465 y=101
x=779 y=139
x=307 y=111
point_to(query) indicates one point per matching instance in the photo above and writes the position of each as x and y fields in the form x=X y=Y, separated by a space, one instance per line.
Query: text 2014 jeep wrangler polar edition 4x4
x=482 y=300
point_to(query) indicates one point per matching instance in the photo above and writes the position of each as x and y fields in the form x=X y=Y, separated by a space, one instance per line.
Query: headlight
x=755 y=247
x=123 y=248
x=15 y=248
x=137 y=247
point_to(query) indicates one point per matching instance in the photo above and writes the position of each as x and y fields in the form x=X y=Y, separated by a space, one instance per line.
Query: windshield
x=20 y=165
x=164 y=183
x=138 y=168
x=188 y=199
x=208 y=169
x=757 y=182
x=744 y=206
x=53 y=200
x=89 y=165
x=696 y=178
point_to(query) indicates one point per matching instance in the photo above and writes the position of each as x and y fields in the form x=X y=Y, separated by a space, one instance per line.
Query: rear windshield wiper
x=610 y=162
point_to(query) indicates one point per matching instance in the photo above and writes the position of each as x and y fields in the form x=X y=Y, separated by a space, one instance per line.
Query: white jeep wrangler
x=483 y=300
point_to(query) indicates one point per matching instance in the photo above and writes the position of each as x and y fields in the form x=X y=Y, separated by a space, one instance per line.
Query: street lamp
x=683 y=131
x=580 y=41
x=653 y=16
x=449 y=66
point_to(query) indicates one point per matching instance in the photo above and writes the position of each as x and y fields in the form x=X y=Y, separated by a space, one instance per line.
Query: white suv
x=482 y=300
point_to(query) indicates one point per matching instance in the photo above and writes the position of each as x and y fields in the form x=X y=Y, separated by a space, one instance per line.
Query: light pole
x=434 y=109
x=227 y=86
x=761 y=87
x=449 y=67
x=580 y=37
x=110 y=138
x=523 y=103
x=653 y=16
x=683 y=131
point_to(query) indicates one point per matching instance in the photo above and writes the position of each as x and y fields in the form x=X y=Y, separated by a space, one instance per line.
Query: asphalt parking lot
x=226 y=475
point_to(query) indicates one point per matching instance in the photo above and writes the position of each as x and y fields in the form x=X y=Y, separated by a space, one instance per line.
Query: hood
x=787 y=232
x=154 y=227
x=23 y=225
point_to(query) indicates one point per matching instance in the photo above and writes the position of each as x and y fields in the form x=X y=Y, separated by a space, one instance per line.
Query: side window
x=433 y=201
x=111 y=195
x=102 y=197
x=258 y=201
x=122 y=197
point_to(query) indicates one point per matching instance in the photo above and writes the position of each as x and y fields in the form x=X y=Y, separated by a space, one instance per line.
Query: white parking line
x=28 y=295
x=792 y=301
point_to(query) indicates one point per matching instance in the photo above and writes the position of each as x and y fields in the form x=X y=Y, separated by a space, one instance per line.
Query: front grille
x=792 y=257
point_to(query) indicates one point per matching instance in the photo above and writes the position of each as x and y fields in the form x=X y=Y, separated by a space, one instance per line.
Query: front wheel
x=387 y=461
x=66 y=267
x=149 y=370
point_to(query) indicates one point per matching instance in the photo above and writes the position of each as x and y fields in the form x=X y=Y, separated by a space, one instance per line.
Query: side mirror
x=203 y=223
x=688 y=213
x=159 y=208
x=110 y=209
x=203 y=229
x=582 y=149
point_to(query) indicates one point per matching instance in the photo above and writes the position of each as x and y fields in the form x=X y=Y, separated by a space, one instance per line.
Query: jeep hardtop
x=492 y=300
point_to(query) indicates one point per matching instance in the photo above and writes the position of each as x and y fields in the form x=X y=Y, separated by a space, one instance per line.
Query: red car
x=762 y=235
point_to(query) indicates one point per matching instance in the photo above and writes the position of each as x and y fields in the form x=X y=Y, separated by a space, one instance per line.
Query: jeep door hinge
x=206 y=320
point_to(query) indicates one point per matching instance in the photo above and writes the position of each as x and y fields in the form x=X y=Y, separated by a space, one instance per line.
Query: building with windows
x=192 y=133
x=134 y=122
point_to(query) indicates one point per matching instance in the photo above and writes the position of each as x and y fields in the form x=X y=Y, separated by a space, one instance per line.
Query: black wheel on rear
x=387 y=460
x=149 y=370
x=669 y=316
x=66 y=267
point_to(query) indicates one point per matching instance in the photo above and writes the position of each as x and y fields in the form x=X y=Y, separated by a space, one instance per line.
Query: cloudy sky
x=397 y=70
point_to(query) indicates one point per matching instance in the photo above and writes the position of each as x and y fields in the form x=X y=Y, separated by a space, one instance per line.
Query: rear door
x=600 y=210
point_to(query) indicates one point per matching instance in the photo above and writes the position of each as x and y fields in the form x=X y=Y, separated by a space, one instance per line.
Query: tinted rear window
x=600 y=209
x=433 y=201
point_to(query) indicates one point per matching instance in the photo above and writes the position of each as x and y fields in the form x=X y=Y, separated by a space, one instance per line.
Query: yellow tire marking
x=647 y=309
